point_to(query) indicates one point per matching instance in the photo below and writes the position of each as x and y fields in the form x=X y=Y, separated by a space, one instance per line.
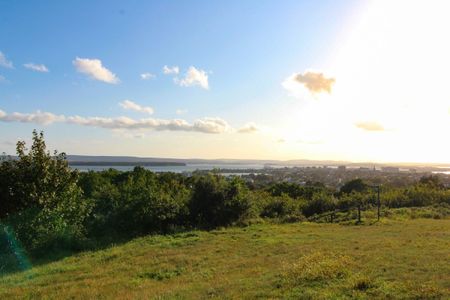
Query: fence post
x=378 y=203
x=359 y=213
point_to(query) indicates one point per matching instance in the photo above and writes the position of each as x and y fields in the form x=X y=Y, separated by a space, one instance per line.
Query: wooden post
x=359 y=213
x=378 y=203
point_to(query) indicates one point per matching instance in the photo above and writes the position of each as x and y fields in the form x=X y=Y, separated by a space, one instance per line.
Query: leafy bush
x=135 y=203
x=320 y=202
x=282 y=207
x=355 y=185
x=217 y=201
x=295 y=190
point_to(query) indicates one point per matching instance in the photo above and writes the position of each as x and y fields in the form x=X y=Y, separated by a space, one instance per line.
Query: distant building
x=390 y=169
x=342 y=168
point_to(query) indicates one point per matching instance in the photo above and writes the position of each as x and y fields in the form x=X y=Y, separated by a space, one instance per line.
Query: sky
x=323 y=80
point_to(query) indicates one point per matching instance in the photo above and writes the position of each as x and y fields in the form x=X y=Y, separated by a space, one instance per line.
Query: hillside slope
x=395 y=259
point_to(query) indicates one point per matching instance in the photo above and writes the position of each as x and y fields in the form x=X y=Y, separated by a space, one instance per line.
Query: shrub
x=355 y=185
x=295 y=190
x=320 y=203
x=144 y=205
x=217 y=201
x=282 y=207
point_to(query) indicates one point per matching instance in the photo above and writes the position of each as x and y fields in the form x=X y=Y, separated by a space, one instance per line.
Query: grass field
x=391 y=259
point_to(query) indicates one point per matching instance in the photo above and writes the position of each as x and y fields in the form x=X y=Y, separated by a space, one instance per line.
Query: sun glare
x=392 y=71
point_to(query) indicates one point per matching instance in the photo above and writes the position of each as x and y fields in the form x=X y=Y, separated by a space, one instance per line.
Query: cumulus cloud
x=147 y=76
x=211 y=125
x=95 y=70
x=204 y=125
x=171 y=70
x=314 y=82
x=4 y=62
x=43 y=118
x=248 y=128
x=36 y=67
x=370 y=126
x=194 y=77
x=130 y=105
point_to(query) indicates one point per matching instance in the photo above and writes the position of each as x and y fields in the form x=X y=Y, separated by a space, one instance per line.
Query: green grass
x=396 y=258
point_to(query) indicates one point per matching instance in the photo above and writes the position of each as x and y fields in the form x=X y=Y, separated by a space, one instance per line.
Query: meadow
x=400 y=257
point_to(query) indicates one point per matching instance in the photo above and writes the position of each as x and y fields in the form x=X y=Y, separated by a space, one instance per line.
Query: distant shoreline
x=126 y=163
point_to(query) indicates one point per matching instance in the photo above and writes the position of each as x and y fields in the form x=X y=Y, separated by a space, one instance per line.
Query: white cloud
x=147 y=76
x=194 y=77
x=314 y=82
x=4 y=62
x=184 y=111
x=43 y=118
x=370 y=126
x=171 y=70
x=130 y=105
x=36 y=67
x=211 y=125
x=249 y=128
x=95 y=70
x=204 y=125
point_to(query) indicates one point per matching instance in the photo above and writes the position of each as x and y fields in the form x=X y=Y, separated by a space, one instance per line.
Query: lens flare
x=23 y=262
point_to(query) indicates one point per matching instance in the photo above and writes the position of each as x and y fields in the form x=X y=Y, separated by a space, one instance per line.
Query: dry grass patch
x=317 y=266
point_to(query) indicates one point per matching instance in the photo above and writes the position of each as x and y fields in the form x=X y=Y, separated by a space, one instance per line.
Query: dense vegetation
x=44 y=205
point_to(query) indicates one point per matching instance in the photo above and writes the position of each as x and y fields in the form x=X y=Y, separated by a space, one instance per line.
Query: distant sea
x=441 y=172
x=175 y=169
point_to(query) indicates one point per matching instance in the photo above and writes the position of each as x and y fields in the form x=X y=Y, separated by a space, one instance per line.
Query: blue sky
x=244 y=49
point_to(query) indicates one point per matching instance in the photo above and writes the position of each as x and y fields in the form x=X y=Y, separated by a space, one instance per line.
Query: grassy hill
x=390 y=259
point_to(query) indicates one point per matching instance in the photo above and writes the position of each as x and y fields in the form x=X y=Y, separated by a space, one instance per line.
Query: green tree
x=355 y=185
x=42 y=199
x=217 y=201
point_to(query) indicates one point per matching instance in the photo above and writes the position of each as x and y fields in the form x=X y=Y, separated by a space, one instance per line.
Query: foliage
x=218 y=202
x=320 y=202
x=294 y=190
x=41 y=199
x=355 y=185
x=281 y=207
